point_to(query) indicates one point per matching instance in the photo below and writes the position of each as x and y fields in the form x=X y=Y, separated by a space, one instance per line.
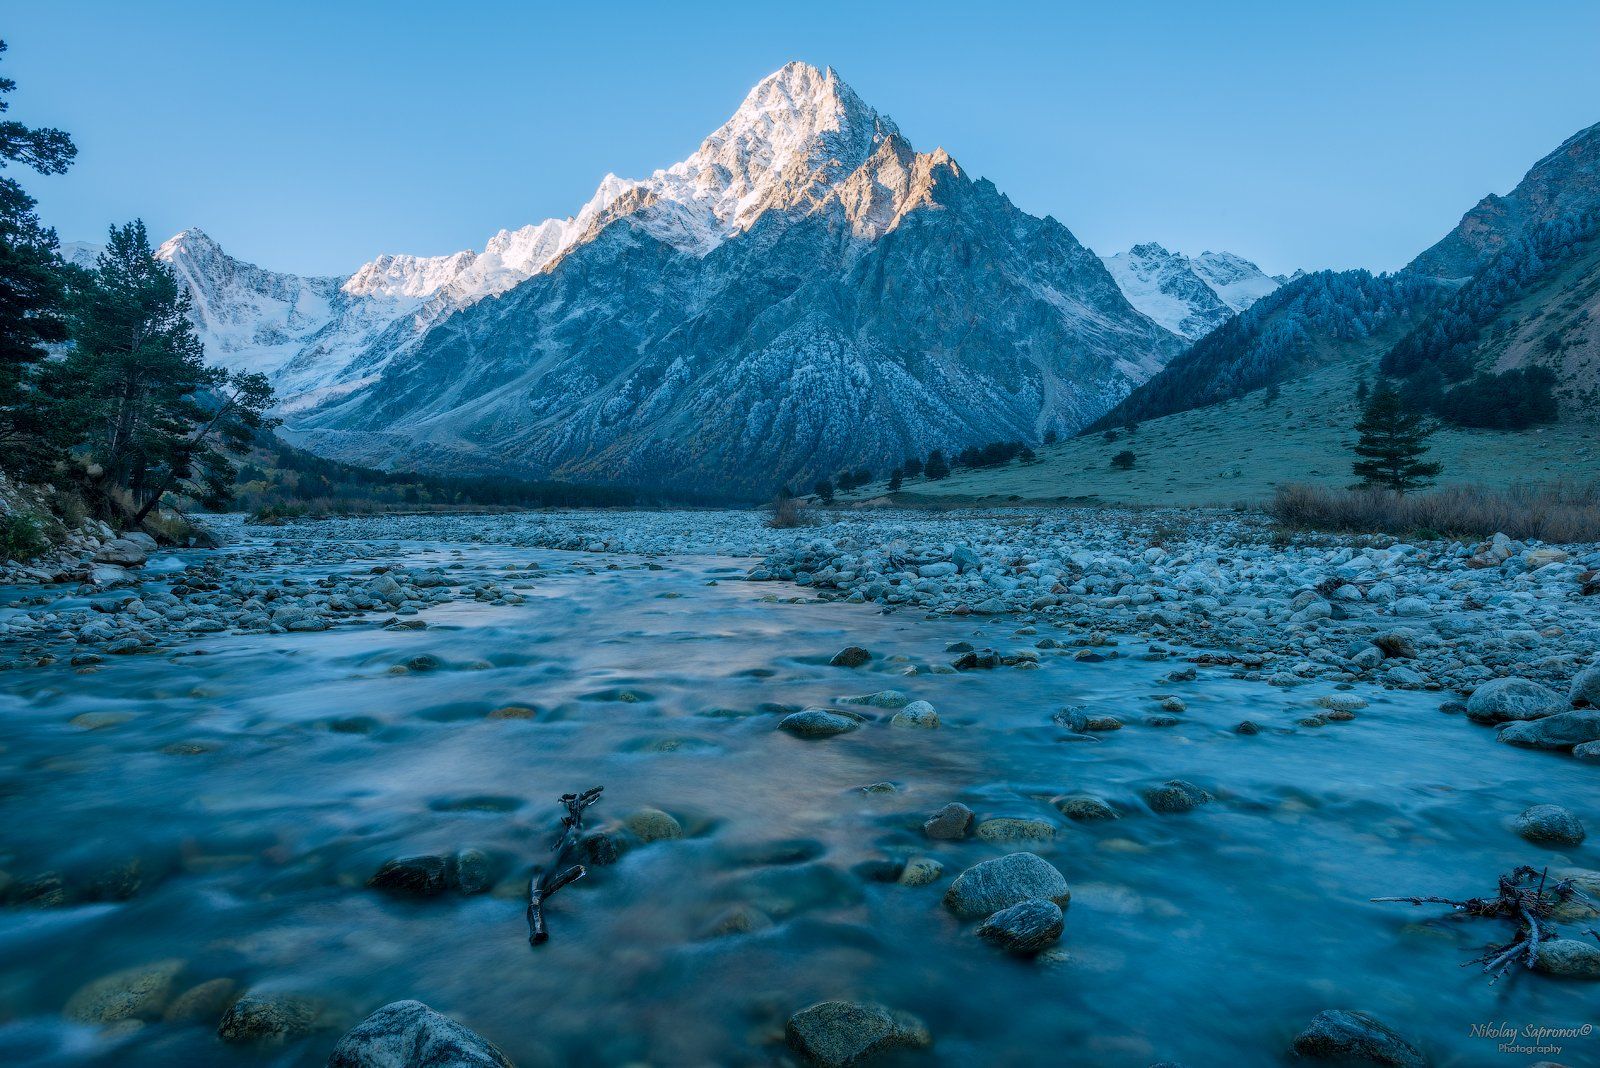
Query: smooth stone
x=1353 y=1036
x=950 y=823
x=408 y=1034
x=654 y=825
x=203 y=1003
x=132 y=994
x=881 y=699
x=916 y=714
x=986 y=888
x=1013 y=829
x=1026 y=927
x=474 y=871
x=269 y=1018
x=1504 y=700
x=1554 y=732
x=1550 y=825
x=839 y=1033
x=1084 y=807
x=920 y=871
x=817 y=723
x=1176 y=795
x=1568 y=958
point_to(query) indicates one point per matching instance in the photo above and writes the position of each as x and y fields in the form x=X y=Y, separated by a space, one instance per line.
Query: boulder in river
x=839 y=1033
x=132 y=994
x=986 y=888
x=423 y=875
x=1354 y=1037
x=269 y=1018
x=818 y=723
x=1568 y=958
x=1550 y=825
x=950 y=823
x=916 y=714
x=1014 y=829
x=1504 y=700
x=1026 y=927
x=851 y=656
x=1176 y=795
x=124 y=552
x=1554 y=732
x=404 y=1034
x=1585 y=692
x=654 y=825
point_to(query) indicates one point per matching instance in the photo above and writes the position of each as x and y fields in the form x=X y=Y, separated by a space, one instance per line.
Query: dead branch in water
x=548 y=878
x=1527 y=903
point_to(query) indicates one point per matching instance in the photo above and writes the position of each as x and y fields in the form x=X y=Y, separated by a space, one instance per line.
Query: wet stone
x=1026 y=927
x=1176 y=795
x=997 y=884
x=838 y=1033
x=408 y=1034
x=1354 y=1037
x=950 y=823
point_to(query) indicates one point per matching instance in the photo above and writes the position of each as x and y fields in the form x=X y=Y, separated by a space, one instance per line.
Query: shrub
x=788 y=513
x=1554 y=512
x=21 y=537
x=1124 y=460
x=824 y=491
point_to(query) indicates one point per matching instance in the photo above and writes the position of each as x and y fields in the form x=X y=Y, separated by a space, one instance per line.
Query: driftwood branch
x=548 y=878
x=1527 y=898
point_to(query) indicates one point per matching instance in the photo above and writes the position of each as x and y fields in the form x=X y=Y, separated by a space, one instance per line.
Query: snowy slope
x=1190 y=297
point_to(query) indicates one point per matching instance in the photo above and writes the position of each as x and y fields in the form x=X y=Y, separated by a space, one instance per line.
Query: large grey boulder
x=1585 y=692
x=839 y=1033
x=1503 y=700
x=1554 y=732
x=408 y=1034
x=122 y=551
x=1349 y=1036
x=986 y=888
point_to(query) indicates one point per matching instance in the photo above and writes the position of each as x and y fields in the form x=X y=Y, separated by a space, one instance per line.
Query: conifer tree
x=135 y=388
x=32 y=293
x=936 y=467
x=1392 y=443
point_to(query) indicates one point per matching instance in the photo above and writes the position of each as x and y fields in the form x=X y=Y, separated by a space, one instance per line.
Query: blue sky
x=311 y=136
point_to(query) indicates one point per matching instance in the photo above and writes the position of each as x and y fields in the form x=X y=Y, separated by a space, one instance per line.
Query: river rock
x=1550 y=825
x=1176 y=795
x=817 y=723
x=1014 y=829
x=408 y=1034
x=949 y=823
x=132 y=994
x=1503 y=700
x=1589 y=751
x=269 y=1018
x=423 y=875
x=474 y=871
x=986 y=888
x=1568 y=958
x=916 y=714
x=1083 y=807
x=920 y=871
x=839 y=1033
x=124 y=552
x=1585 y=692
x=851 y=656
x=1554 y=732
x=203 y=1003
x=654 y=825
x=1026 y=927
x=1356 y=1037
x=880 y=699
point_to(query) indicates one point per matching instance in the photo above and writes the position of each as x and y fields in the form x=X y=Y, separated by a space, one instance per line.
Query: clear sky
x=310 y=136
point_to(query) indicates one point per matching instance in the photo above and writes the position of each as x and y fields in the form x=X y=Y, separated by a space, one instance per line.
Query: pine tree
x=32 y=294
x=1124 y=460
x=136 y=389
x=896 y=478
x=1393 y=441
x=913 y=466
x=936 y=467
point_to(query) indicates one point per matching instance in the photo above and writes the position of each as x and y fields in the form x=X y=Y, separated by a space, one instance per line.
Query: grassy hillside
x=1239 y=451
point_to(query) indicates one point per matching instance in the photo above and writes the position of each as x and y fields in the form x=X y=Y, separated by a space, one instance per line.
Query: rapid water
x=262 y=783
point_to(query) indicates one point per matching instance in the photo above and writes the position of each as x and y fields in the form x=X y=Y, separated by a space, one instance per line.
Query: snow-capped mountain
x=804 y=292
x=1190 y=297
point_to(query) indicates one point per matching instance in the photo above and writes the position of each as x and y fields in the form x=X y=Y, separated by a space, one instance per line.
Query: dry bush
x=788 y=513
x=1552 y=511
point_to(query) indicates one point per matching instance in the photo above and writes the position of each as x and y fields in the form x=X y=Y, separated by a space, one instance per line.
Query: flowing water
x=262 y=783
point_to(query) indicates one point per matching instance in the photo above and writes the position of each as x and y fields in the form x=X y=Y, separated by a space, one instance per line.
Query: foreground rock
x=269 y=1019
x=987 y=888
x=1351 y=1036
x=408 y=1034
x=132 y=994
x=1026 y=927
x=1503 y=700
x=818 y=723
x=1550 y=825
x=839 y=1033
x=1568 y=958
x=1554 y=732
